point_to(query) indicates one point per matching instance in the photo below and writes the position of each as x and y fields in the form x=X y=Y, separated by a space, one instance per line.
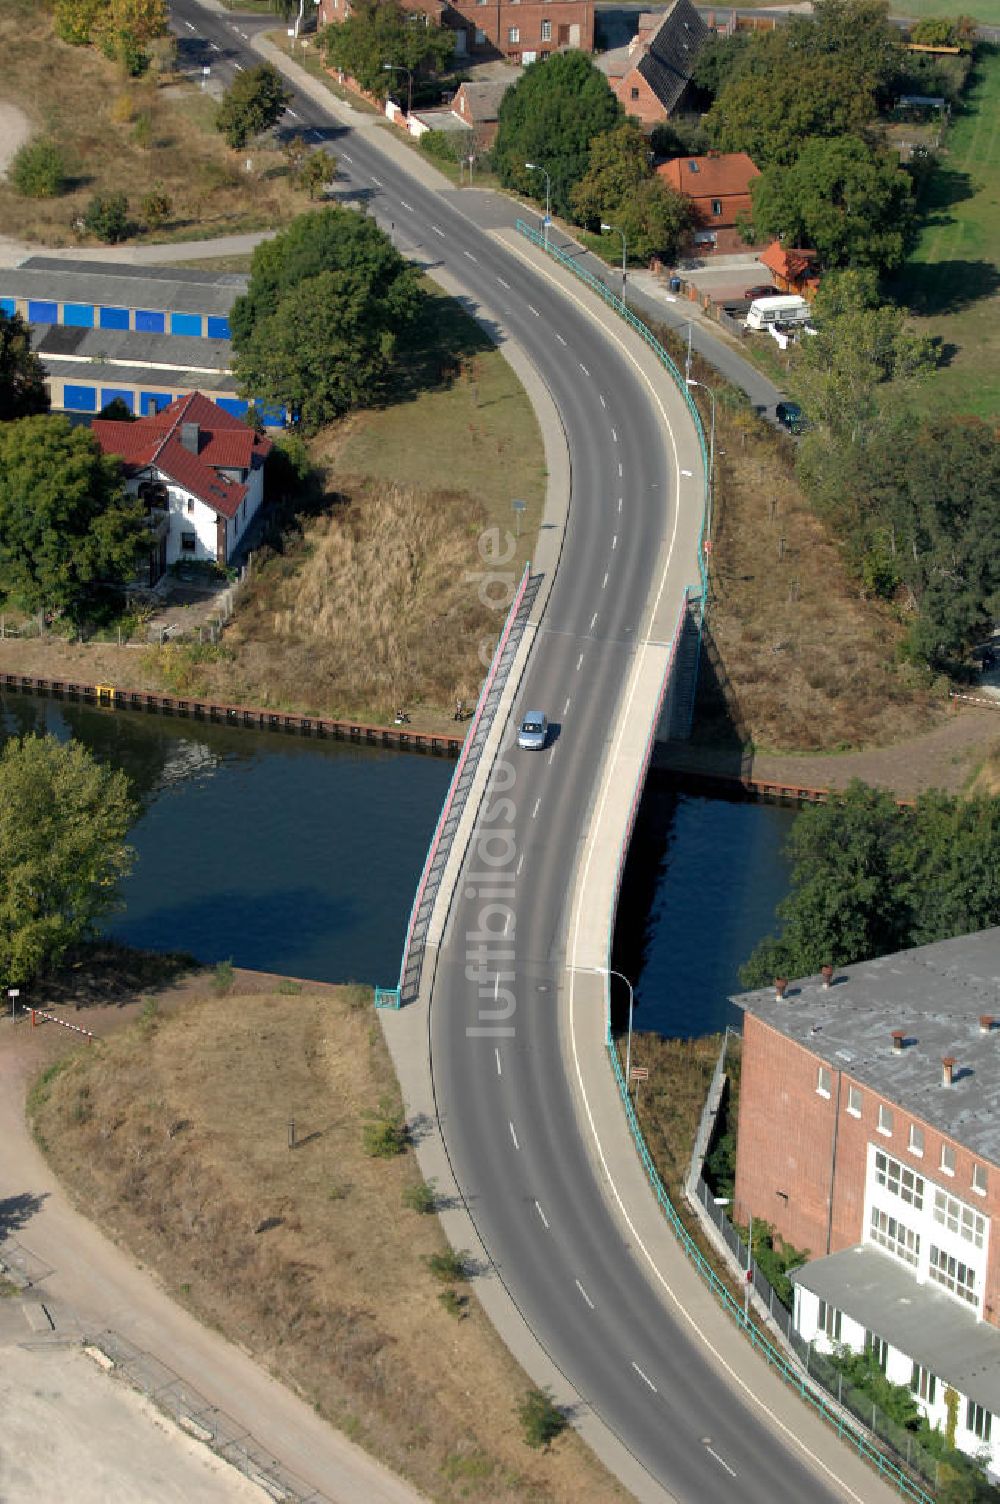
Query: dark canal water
x=700 y=887
x=302 y=857
x=287 y=855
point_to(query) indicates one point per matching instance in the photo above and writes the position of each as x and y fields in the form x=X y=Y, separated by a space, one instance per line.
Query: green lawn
x=952 y=280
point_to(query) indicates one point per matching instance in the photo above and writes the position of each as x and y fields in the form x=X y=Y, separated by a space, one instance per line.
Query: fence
x=193 y=1413
x=648 y=338
x=456 y=798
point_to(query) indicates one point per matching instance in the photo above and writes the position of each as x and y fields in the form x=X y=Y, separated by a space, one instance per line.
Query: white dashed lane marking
x=584 y=1294
x=513 y=1136
x=644 y=1378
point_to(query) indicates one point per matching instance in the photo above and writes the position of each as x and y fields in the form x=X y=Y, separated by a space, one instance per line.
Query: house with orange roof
x=792 y=268
x=200 y=473
x=718 y=186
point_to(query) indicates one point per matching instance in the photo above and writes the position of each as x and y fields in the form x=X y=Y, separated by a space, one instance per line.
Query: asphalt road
x=505 y=1104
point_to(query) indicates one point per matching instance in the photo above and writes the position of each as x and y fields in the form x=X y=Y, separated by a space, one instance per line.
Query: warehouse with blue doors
x=143 y=334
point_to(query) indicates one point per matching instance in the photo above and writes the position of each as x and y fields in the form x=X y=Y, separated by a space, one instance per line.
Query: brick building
x=718 y=186
x=869 y=1135
x=521 y=30
x=652 y=73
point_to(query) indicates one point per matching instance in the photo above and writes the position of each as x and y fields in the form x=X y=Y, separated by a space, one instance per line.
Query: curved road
x=505 y=1103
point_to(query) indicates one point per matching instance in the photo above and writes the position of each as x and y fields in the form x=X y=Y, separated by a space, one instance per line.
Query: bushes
x=541 y=1419
x=39 y=170
x=106 y=216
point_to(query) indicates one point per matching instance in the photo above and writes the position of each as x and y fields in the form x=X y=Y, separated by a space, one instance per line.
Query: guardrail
x=775 y=1359
x=649 y=338
x=392 y=997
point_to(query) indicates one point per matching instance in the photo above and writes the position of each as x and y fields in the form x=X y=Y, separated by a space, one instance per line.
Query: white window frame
x=979 y=1179
x=513 y=35
x=546 y=31
x=947 y=1159
x=964 y=1221
x=885 y=1120
x=955 y=1276
x=916 y=1144
x=894 y=1236
x=854 y=1101
x=830 y=1320
x=923 y=1383
x=824 y=1081
x=899 y=1180
x=978 y=1420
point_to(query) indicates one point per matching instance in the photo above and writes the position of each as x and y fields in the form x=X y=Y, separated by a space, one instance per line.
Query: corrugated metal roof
x=921 y=1321
x=166 y=289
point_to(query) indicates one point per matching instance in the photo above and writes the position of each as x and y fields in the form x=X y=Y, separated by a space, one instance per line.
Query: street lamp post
x=711 y=456
x=608 y=972
x=535 y=167
x=402 y=68
x=607 y=230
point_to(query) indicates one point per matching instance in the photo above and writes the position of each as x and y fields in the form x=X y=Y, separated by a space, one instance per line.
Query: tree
x=316 y=329
x=106 y=216
x=123 y=29
x=862 y=361
x=869 y=878
x=66 y=522
x=550 y=117
x=541 y=1419
x=315 y=171
x=852 y=204
x=655 y=220
x=75 y=20
x=378 y=32
x=617 y=163
x=255 y=100
x=945 y=31
x=63 y=822
x=39 y=170
x=156 y=207
x=22 y=375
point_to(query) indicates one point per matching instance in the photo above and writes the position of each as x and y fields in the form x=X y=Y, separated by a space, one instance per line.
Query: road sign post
x=519 y=507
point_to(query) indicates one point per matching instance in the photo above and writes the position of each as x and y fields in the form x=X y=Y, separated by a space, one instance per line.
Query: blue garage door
x=42 y=313
x=80 y=399
x=218 y=328
x=234 y=405
x=109 y=393
x=9 y=306
x=114 y=318
x=151 y=322
x=80 y=315
x=153 y=402
x=185 y=323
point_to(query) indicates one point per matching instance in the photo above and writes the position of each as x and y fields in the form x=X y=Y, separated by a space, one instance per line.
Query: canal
x=298 y=856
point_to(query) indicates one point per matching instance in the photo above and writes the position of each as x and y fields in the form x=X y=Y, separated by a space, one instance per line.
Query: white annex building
x=200 y=472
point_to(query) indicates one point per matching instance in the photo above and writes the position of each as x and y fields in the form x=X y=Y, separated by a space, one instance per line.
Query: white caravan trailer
x=787 y=309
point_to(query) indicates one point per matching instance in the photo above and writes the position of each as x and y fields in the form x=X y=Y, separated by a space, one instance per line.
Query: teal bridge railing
x=793 y=1376
x=648 y=338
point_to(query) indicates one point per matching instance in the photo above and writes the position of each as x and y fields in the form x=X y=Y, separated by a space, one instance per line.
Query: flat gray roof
x=118 y=284
x=65 y=340
x=98 y=373
x=935 y=994
x=922 y=1321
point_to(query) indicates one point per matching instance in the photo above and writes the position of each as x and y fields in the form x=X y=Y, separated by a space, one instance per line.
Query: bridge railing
x=649 y=338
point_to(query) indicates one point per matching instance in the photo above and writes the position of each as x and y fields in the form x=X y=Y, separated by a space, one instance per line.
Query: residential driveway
x=92 y=1286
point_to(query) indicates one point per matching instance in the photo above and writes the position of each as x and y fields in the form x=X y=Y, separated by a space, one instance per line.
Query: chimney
x=826 y=972
x=897 y=1041
x=947 y=1066
x=985 y=1023
x=780 y=986
x=190 y=436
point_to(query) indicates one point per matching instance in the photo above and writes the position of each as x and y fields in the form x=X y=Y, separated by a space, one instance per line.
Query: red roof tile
x=224 y=443
x=790 y=262
x=710 y=177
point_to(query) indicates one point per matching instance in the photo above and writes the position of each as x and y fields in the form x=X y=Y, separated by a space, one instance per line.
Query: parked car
x=534 y=731
x=765 y=290
x=790 y=416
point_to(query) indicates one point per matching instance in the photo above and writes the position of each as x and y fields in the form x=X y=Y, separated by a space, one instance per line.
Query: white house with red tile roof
x=200 y=467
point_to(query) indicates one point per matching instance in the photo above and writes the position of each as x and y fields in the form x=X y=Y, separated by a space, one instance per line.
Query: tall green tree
x=550 y=117
x=66 y=521
x=63 y=823
x=378 y=32
x=869 y=878
x=255 y=100
x=851 y=203
x=316 y=330
x=617 y=163
x=22 y=375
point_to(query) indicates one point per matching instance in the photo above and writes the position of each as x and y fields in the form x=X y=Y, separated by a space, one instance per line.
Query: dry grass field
x=128 y=134
x=797 y=659
x=173 y=1135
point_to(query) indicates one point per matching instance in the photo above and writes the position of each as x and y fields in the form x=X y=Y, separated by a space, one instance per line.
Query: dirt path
x=96 y=1285
x=15 y=128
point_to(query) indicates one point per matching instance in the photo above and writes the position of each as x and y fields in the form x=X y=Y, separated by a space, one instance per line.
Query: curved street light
x=402 y=68
x=536 y=167
x=690 y=381
x=613 y=229
x=609 y=972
